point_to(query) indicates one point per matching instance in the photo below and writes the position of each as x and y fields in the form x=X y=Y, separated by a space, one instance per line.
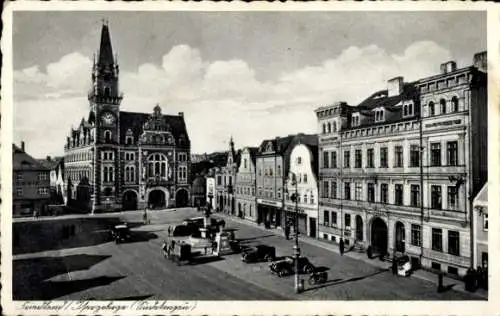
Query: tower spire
x=105 y=49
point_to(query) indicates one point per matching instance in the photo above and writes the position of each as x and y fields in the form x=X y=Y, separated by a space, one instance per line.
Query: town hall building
x=124 y=160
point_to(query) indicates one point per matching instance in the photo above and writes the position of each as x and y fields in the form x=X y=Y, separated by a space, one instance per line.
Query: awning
x=481 y=199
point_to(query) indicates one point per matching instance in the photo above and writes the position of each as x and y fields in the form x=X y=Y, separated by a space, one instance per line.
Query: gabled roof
x=481 y=198
x=280 y=144
x=22 y=161
x=135 y=122
x=50 y=164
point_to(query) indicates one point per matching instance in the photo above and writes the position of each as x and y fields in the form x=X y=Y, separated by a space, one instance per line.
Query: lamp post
x=296 y=249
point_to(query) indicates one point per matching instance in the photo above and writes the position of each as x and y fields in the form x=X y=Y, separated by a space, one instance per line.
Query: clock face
x=108 y=118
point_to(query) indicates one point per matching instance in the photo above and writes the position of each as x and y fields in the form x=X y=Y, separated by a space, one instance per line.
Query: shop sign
x=269 y=203
x=443 y=123
x=292 y=209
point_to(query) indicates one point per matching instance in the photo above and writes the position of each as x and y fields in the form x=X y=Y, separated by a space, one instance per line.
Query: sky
x=249 y=75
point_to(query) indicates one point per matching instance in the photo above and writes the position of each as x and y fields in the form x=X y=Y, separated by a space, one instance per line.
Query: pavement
x=137 y=270
x=420 y=274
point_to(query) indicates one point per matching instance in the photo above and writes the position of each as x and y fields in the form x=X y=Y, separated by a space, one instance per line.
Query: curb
x=329 y=247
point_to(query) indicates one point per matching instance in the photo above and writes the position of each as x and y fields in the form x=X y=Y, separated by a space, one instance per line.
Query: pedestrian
x=394 y=266
x=169 y=230
x=165 y=249
x=145 y=217
x=341 y=247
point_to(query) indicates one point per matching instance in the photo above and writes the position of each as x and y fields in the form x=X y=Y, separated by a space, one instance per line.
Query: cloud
x=224 y=97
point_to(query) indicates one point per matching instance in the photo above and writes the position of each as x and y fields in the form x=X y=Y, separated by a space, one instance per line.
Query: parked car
x=121 y=233
x=287 y=266
x=404 y=265
x=259 y=253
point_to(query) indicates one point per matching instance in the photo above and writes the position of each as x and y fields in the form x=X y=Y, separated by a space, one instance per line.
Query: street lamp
x=296 y=249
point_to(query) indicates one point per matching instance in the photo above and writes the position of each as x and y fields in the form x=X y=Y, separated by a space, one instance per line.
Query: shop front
x=292 y=215
x=269 y=213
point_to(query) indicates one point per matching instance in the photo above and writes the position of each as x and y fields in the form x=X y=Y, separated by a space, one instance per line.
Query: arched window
x=431 y=109
x=454 y=102
x=329 y=127
x=324 y=128
x=157 y=166
x=107 y=136
x=334 y=128
x=129 y=140
x=442 y=104
x=130 y=174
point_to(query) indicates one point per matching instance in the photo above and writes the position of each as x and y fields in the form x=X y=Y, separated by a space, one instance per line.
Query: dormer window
x=379 y=115
x=407 y=109
x=355 y=120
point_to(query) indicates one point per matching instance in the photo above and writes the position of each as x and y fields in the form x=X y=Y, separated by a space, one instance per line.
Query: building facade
x=198 y=191
x=396 y=171
x=302 y=181
x=480 y=224
x=30 y=184
x=210 y=191
x=245 y=184
x=124 y=160
x=54 y=165
x=225 y=180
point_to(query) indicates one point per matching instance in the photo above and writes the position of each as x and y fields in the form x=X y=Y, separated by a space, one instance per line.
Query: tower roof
x=105 y=50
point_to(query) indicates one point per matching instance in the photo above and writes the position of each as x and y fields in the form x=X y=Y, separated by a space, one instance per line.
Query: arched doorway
x=359 y=228
x=129 y=200
x=400 y=237
x=157 y=199
x=379 y=236
x=181 y=198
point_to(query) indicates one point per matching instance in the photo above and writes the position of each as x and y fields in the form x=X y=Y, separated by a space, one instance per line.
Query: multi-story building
x=54 y=166
x=272 y=163
x=225 y=179
x=210 y=191
x=397 y=171
x=117 y=159
x=30 y=184
x=303 y=182
x=245 y=184
x=198 y=191
x=480 y=225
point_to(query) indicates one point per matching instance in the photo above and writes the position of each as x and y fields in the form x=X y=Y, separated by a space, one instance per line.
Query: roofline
x=434 y=77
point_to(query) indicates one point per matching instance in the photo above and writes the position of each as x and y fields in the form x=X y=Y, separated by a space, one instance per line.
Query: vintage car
x=287 y=266
x=403 y=265
x=258 y=253
x=185 y=231
x=121 y=233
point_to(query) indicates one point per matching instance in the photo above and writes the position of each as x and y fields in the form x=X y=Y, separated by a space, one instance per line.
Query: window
x=436 y=197
x=129 y=140
x=108 y=155
x=436 y=154
x=383 y=157
x=328 y=128
x=19 y=191
x=355 y=120
x=305 y=178
x=357 y=158
x=485 y=222
x=452 y=198
x=278 y=170
x=431 y=109
x=334 y=218
x=369 y=158
x=312 y=198
x=326 y=218
x=42 y=176
x=379 y=115
x=130 y=174
x=299 y=160
x=107 y=136
x=436 y=266
x=416 y=235
x=453 y=243
x=454 y=104
x=442 y=104
x=437 y=239
x=358 y=191
x=347 y=191
x=452 y=153
x=414 y=156
x=129 y=156
x=219 y=180
x=333 y=156
x=384 y=188
x=398 y=156
x=398 y=196
x=333 y=188
x=157 y=166
x=347 y=218
x=334 y=126
x=452 y=270
x=371 y=192
x=347 y=158
x=326 y=163
x=324 y=128
x=325 y=188
x=415 y=195
x=19 y=177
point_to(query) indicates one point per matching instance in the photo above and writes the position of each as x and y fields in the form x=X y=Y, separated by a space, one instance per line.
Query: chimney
x=448 y=66
x=394 y=86
x=481 y=61
x=181 y=114
x=22 y=146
